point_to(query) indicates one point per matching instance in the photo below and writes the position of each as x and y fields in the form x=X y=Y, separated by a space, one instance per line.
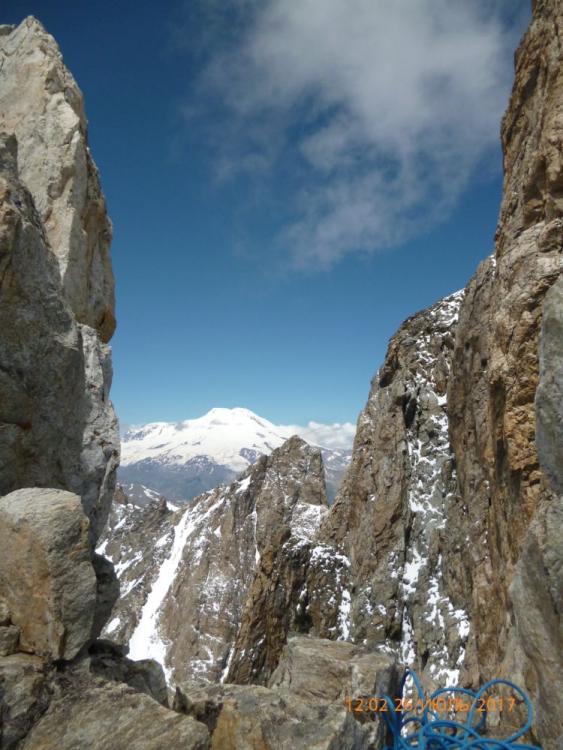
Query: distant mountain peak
x=182 y=459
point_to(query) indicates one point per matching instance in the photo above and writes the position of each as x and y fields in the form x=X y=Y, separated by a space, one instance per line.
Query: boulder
x=317 y=669
x=102 y=715
x=46 y=576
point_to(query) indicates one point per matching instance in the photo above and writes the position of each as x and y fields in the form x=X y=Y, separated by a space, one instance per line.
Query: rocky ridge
x=207 y=557
x=372 y=570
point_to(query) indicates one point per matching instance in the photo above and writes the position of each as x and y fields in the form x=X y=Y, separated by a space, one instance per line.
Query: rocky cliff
x=42 y=105
x=57 y=424
x=495 y=377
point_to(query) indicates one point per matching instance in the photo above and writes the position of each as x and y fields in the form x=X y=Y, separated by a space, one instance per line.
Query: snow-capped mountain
x=183 y=459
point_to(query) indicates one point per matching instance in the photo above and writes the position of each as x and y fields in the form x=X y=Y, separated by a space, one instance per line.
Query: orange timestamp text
x=439 y=704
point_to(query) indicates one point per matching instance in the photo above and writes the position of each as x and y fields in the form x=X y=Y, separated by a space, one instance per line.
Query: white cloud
x=337 y=436
x=385 y=108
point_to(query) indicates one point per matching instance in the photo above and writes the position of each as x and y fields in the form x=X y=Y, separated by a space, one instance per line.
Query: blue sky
x=288 y=182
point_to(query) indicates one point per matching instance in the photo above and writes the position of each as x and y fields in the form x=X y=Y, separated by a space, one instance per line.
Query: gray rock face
x=536 y=598
x=57 y=425
x=42 y=105
x=46 y=576
x=535 y=592
x=549 y=395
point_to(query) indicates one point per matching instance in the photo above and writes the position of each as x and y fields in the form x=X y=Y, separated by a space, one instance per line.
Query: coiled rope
x=429 y=731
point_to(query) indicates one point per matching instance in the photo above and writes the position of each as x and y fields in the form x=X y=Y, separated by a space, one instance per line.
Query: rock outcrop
x=87 y=711
x=43 y=107
x=46 y=575
x=495 y=377
x=57 y=424
x=318 y=669
x=58 y=686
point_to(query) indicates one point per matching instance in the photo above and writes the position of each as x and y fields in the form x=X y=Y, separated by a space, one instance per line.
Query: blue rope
x=429 y=731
